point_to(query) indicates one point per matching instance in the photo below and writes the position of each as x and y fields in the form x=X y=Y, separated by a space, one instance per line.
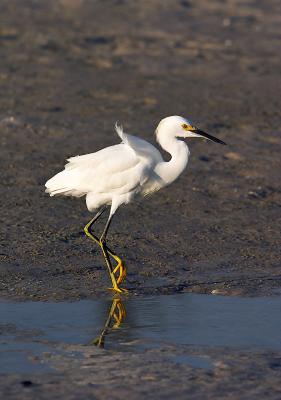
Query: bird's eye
x=187 y=127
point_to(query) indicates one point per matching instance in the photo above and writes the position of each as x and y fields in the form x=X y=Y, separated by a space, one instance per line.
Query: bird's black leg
x=89 y=233
x=87 y=228
x=120 y=265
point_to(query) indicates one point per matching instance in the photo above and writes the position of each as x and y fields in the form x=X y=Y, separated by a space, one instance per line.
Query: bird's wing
x=116 y=170
x=110 y=159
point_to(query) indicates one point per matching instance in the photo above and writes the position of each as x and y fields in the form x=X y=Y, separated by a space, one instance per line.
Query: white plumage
x=116 y=174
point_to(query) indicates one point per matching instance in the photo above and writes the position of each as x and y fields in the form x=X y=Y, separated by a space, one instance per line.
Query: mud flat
x=69 y=69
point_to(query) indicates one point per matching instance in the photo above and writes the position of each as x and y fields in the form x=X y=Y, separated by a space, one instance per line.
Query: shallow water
x=28 y=329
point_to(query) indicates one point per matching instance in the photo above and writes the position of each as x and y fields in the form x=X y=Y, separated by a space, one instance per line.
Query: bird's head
x=180 y=127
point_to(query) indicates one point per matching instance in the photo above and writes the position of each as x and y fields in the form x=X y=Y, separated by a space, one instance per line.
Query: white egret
x=117 y=174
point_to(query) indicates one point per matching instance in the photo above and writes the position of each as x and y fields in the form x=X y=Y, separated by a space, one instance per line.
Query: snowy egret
x=117 y=174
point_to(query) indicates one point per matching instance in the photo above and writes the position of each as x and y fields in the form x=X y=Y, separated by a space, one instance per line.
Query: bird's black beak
x=207 y=136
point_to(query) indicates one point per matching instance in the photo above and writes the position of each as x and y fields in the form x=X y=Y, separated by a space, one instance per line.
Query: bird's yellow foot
x=118 y=289
x=122 y=270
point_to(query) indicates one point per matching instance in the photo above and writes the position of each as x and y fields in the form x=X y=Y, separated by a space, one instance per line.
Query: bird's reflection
x=116 y=315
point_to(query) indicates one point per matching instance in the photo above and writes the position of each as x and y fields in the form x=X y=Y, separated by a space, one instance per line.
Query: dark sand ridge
x=69 y=70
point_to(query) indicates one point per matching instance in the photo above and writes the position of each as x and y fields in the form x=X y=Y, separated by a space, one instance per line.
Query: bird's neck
x=170 y=170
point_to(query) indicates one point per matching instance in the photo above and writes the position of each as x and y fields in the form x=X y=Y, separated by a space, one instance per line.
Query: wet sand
x=71 y=68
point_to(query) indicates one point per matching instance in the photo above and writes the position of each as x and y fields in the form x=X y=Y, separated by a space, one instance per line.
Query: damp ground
x=71 y=68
